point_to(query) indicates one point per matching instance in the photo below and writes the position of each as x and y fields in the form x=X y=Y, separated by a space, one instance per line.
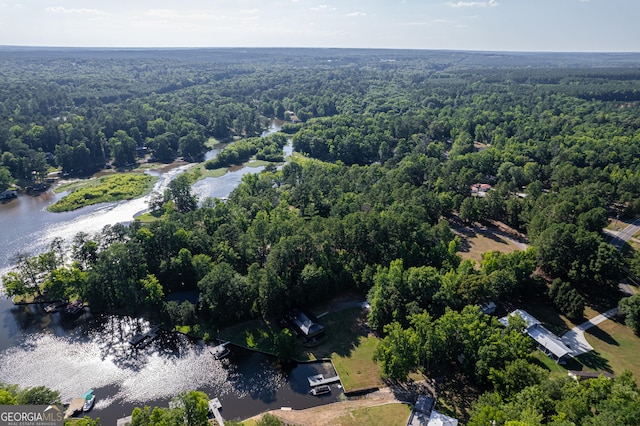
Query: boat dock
x=319 y=380
x=141 y=340
x=124 y=421
x=215 y=406
x=75 y=406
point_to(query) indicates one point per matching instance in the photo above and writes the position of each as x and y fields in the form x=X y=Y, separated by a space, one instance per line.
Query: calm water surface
x=73 y=355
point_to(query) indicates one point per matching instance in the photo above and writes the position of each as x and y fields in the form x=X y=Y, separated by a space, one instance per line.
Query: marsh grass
x=116 y=187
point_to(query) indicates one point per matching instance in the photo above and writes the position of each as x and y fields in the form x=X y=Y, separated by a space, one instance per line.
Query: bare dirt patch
x=477 y=240
x=336 y=413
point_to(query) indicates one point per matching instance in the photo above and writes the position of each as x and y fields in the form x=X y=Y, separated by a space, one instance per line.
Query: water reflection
x=222 y=186
x=73 y=355
x=28 y=227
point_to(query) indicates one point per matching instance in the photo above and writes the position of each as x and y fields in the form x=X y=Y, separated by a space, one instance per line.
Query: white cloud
x=67 y=11
x=357 y=14
x=323 y=7
x=490 y=3
x=200 y=15
x=413 y=24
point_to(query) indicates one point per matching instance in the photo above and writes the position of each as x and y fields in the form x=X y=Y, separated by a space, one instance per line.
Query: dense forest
x=391 y=143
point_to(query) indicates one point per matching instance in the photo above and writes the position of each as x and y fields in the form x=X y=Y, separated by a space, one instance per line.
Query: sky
x=489 y=25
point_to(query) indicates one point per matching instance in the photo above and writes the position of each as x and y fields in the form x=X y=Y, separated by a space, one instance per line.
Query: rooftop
x=548 y=342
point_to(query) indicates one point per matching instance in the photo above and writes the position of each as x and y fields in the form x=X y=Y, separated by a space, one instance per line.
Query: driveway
x=618 y=238
x=575 y=338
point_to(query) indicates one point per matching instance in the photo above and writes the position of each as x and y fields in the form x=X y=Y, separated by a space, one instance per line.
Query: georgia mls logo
x=31 y=415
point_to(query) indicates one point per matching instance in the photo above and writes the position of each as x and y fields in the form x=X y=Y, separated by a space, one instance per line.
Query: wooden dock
x=319 y=380
x=215 y=406
x=141 y=340
x=124 y=421
x=74 y=407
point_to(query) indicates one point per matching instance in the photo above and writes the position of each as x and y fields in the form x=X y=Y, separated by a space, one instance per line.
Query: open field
x=616 y=349
x=478 y=240
x=350 y=346
x=364 y=412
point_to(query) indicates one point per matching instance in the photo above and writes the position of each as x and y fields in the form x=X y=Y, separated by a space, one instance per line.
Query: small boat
x=74 y=308
x=89 y=400
x=315 y=380
x=220 y=351
x=54 y=307
x=320 y=390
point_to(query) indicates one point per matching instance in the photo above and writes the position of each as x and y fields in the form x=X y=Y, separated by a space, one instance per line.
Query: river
x=73 y=355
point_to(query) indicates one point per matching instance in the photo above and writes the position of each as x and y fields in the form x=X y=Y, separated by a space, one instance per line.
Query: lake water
x=73 y=355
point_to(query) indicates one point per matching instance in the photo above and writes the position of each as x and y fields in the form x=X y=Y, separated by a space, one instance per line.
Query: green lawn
x=357 y=370
x=383 y=415
x=347 y=344
x=351 y=348
x=616 y=349
x=251 y=334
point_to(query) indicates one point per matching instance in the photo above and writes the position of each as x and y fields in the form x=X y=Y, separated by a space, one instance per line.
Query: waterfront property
x=305 y=326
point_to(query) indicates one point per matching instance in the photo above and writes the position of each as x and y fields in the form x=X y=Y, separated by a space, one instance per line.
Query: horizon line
x=149 y=48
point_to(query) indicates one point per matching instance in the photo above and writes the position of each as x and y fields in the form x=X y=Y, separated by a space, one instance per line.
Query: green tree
x=396 y=352
x=179 y=190
x=630 y=308
x=196 y=408
x=285 y=345
x=7 y=398
x=84 y=421
x=39 y=395
x=152 y=289
x=515 y=376
x=123 y=148
x=191 y=146
x=269 y=420
x=5 y=179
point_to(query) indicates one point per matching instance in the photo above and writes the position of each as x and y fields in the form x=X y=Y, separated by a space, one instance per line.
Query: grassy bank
x=348 y=344
x=257 y=335
x=345 y=414
x=351 y=348
x=105 y=189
